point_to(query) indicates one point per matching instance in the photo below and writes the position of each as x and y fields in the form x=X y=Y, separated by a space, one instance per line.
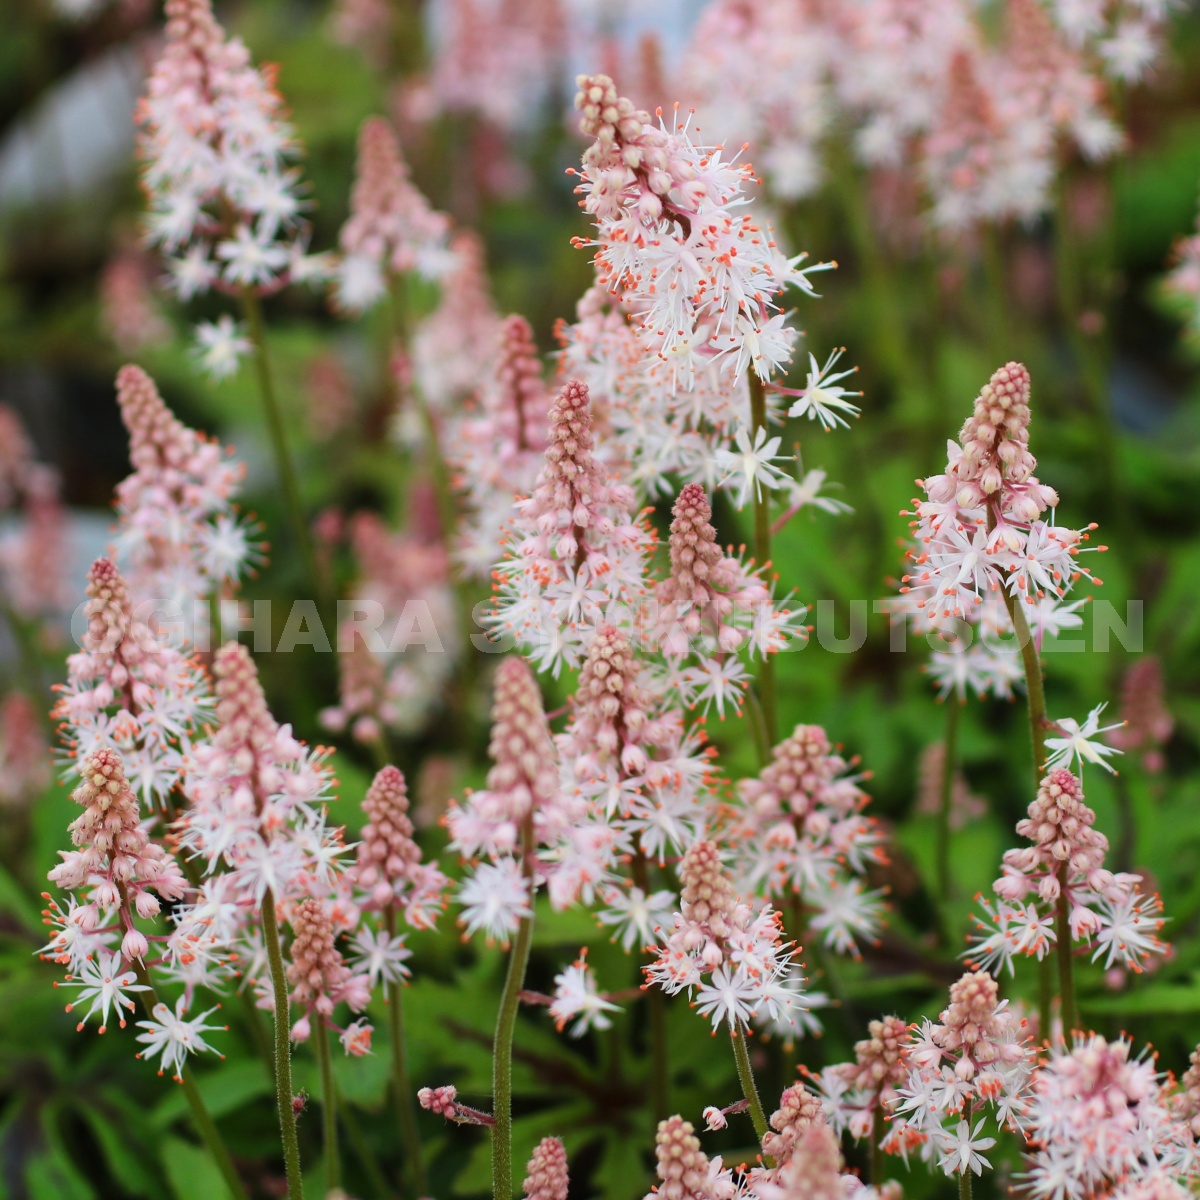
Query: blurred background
x=1081 y=272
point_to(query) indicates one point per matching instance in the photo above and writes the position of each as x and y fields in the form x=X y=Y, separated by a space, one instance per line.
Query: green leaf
x=224 y=1091
x=1159 y=999
x=16 y=901
x=128 y=1162
x=190 y=1172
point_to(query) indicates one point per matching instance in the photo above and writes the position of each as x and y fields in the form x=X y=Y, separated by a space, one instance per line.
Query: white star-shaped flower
x=1078 y=743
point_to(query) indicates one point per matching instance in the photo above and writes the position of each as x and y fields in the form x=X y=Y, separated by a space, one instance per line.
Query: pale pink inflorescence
x=975 y=1059
x=494 y=60
x=363 y=703
x=800 y=827
x=1103 y=1126
x=711 y=605
x=24 y=753
x=813 y=1171
x=611 y=709
x=981 y=533
x=685 y=1172
x=33 y=548
x=389 y=867
x=798 y=1109
x=575 y=550
x=416 y=640
x=130 y=688
x=319 y=976
x=729 y=954
x=641 y=779
x=257 y=815
x=497 y=446
x=224 y=203
x=453 y=348
x=546 y=1175
x=699 y=275
x=519 y=810
x=391 y=230
x=123 y=871
x=1106 y=910
x=1148 y=721
x=859 y=1092
x=1187 y=1100
x=127 y=308
x=179 y=528
x=965 y=805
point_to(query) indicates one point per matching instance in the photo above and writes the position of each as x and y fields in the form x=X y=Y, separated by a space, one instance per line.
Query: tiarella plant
x=700 y=947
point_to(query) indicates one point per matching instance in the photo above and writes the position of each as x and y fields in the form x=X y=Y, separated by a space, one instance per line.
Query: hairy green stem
x=406 y=1118
x=283 y=1052
x=252 y=307
x=201 y=1118
x=1066 y=979
x=762 y=553
x=949 y=767
x=964 y=1176
x=506 y=1022
x=746 y=1074
x=329 y=1120
x=656 y=1008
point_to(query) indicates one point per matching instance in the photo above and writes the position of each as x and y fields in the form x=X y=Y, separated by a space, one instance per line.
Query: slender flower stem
x=414 y=1167
x=1066 y=981
x=754 y=714
x=252 y=307
x=1036 y=696
x=205 y=1126
x=506 y=1022
x=949 y=766
x=877 y=1121
x=964 y=1185
x=964 y=1175
x=656 y=1005
x=762 y=553
x=746 y=1074
x=362 y=1151
x=329 y=1119
x=1045 y=998
x=283 y=1052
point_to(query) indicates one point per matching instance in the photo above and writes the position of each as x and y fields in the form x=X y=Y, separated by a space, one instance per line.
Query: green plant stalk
x=414 y=1167
x=754 y=715
x=746 y=1074
x=506 y=1022
x=283 y=1052
x=877 y=1122
x=1045 y=997
x=964 y=1176
x=1035 y=694
x=252 y=308
x=1036 y=697
x=762 y=553
x=362 y=1151
x=201 y=1118
x=949 y=766
x=656 y=1008
x=1066 y=980
x=329 y=1119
